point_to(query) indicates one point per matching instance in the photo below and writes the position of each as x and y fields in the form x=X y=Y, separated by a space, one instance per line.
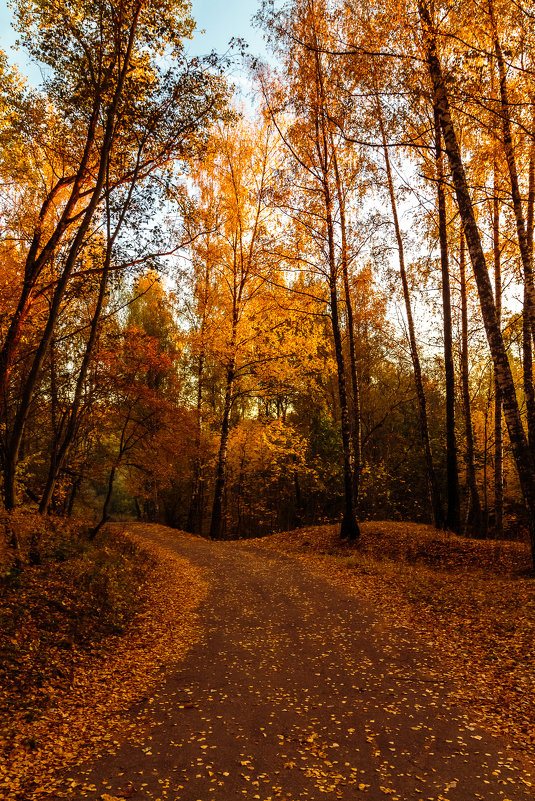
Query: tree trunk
x=525 y=246
x=216 y=523
x=498 y=428
x=521 y=450
x=72 y=495
x=474 y=514
x=350 y=528
x=356 y=428
x=453 y=519
x=66 y=434
x=298 y=516
x=40 y=255
x=12 y=451
x=528 y=331
x=485 y=511
x=195 y=513
x=194 y=524
x=432 y=484
x=106 y=505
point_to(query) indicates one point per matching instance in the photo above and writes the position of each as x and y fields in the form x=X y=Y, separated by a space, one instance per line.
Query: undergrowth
x=79 y=594
x=85 y=634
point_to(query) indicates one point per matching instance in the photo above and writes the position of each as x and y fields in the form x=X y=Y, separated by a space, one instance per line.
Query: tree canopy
x=318 y=307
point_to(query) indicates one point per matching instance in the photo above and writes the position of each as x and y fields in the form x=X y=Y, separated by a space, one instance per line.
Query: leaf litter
x=298 y=691
x=76 y=707
x=473 y=600
x=309 y=735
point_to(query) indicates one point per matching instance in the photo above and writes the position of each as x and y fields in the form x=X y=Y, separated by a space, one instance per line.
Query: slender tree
x=432 y=484
x=474 y=515
x=356 y=427
x=452 y=475
x=521 y=450
x=498 y=428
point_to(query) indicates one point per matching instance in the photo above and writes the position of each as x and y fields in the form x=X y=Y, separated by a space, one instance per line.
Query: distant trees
x=245 y=327
x=325 y=172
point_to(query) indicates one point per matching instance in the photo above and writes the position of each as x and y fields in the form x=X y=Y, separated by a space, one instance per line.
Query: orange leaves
x=76 y=718
x=466 y=596
x=134 y=355
x=266 y=445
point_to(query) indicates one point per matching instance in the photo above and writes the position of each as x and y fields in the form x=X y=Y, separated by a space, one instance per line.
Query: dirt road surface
x=297 y=691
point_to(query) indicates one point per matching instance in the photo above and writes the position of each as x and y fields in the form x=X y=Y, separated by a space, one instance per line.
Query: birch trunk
x=528 y=332
x=350 y=527
x=432 y=485
x=474 y=515
x=525 y=246
x=498 y=428
x=356 y=430
x=521 y=450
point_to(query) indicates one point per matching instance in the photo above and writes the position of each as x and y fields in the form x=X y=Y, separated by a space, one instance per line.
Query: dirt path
x=297 y=691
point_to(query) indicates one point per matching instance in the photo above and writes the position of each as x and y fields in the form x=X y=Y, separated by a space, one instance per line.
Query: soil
x=298 y=690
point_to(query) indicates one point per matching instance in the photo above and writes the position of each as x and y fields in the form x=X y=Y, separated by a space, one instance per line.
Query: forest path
x=298 y=691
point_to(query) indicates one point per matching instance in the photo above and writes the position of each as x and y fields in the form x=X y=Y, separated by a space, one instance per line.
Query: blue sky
x=221 y=19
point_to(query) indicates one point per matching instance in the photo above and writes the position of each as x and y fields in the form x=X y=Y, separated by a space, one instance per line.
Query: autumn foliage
x=239 y=320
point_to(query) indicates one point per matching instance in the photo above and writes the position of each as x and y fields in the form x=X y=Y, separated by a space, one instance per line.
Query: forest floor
x=472 y=600
x=83 y=636
x=401 y=666
x=317 y=674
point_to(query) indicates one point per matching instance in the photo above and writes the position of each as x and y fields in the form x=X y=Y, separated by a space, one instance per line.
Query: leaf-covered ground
x=299 y=691
x=83 y=636
x=474 y=600
x=296 y=689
